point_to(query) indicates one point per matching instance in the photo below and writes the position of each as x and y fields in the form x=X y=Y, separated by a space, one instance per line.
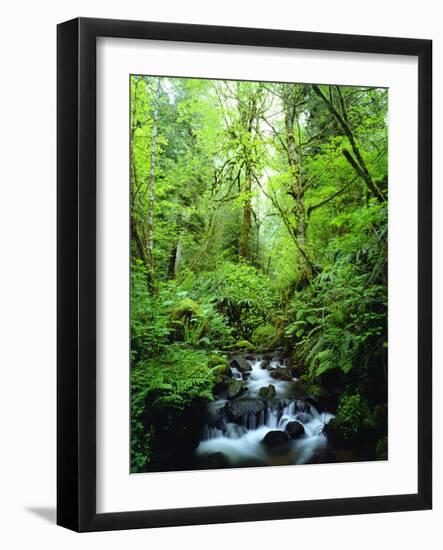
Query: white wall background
x=27 y=290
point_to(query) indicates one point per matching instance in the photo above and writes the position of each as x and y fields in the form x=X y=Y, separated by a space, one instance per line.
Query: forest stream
x=269 y=424
x=259 y=273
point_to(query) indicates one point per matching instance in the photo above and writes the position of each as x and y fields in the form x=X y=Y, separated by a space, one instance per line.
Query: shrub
x=241 y=293
x=150 y=328
x=199 y=324
x=351 y=413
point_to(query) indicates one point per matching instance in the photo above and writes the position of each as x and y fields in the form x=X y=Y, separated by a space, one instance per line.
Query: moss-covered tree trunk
x=150 y=216
x=245 y=229
x=297 y=190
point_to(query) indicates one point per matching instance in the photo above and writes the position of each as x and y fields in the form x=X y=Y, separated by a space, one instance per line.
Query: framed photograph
x=244 y=274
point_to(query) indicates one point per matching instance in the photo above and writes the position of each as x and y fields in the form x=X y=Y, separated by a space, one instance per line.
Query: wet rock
x=267 y=392
x=244 y=406
x=235 y=389
x=330 y=431
x=294 y=429
x=297 y=370
x=281 y=373
x=239 y=362
x=221 y=370
x=222 y=384
x=265 y=364
x=216 y=420
x=275 y=440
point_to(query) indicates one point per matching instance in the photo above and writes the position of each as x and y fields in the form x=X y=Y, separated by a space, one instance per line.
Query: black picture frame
x=76 y=266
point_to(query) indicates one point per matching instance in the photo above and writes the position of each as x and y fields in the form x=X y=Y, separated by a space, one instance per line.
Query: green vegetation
x=258 y=222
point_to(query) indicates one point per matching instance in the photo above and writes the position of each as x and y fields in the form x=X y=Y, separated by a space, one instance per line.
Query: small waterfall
x=211 y=433
x=272 y=418
x=241 y=442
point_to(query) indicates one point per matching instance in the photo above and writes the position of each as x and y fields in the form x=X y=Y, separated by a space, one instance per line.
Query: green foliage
x=161 y=389
x=256 y=245
x=215 y=360
x=352 y=412
x=339 y=320
x=243 y=345
x=241 y=293
x=264 y=337
x=150 y=328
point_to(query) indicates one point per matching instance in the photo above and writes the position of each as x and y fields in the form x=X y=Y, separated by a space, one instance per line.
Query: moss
x=236 y=388
x=185 y=310
x=221 y=370
x=267 y=392
x=317 y=392
x=243 y=345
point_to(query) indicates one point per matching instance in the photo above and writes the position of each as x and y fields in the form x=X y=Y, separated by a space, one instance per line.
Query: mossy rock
x=316 y=392
x=267 y=392
x=221 y=384
x=264 y=337
x=243 y=345
x=236 y=388
x=185 y=310
x=221 y=370
x=182 y=315
x=281 y=373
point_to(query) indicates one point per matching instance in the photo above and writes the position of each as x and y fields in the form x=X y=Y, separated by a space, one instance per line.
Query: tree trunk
x=141 y=249
x=245 y=229
x=174 y=259
x=150 y=238
x=298 y=194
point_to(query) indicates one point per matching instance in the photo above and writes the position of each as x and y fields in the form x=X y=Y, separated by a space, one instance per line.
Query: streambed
x=267 y=423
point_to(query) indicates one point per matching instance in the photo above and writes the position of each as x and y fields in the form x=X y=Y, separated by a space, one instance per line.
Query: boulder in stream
x=265 y=364
x=281 y=373
x=294 y=429
x=275 y=440
x=244 y=406
x=236 y=388
x=267 y=392
x=239 y=362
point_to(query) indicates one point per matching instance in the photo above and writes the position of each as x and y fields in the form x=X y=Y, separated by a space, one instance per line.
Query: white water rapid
x=241 y=443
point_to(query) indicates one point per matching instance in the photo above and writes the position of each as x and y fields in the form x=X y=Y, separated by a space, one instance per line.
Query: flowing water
x=241 y=442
